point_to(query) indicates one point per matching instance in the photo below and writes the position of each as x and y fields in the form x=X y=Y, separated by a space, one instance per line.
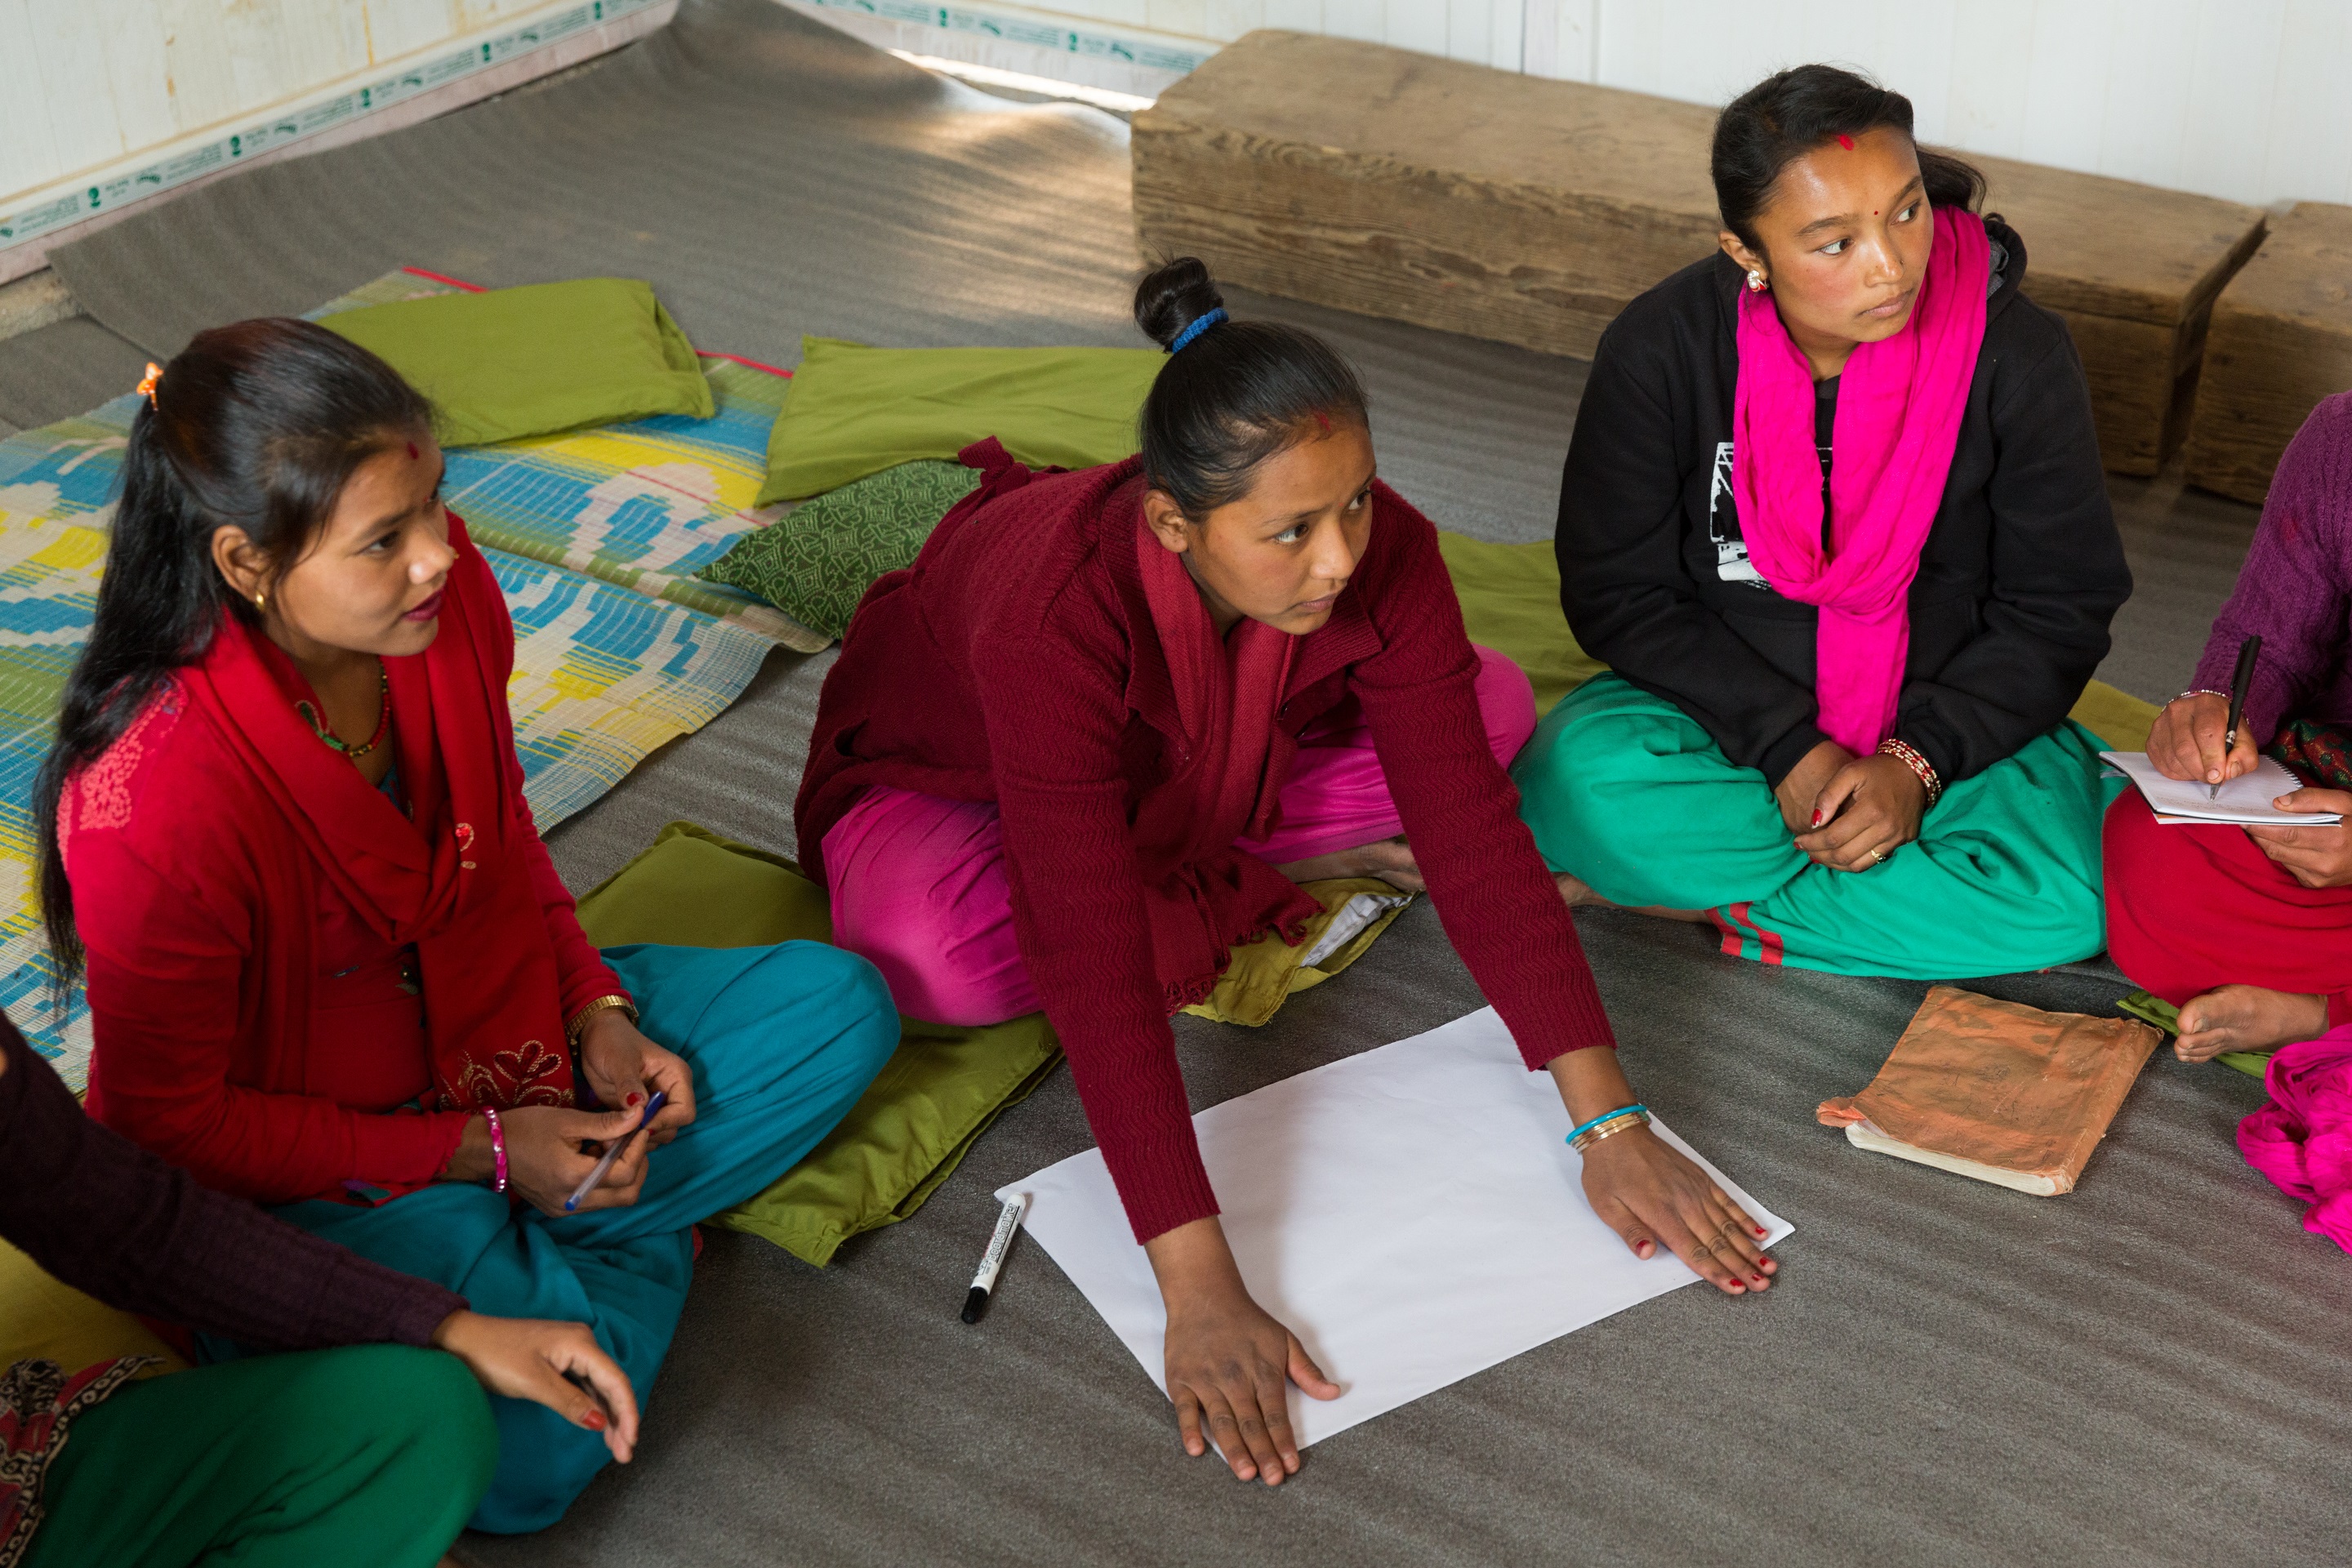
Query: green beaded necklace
x=382 y=722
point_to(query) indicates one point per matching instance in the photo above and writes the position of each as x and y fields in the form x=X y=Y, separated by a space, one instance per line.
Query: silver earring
x=1755 y=281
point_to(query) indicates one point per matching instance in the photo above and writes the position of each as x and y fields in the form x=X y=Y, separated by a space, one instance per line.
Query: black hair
x=261 y=424
x=1234 y=396
x=1791 y=113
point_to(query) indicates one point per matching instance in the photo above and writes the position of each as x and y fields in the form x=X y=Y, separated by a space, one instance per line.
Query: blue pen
x=653 y=1108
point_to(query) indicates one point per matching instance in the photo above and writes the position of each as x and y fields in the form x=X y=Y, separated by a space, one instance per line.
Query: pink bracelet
x=497 y=1149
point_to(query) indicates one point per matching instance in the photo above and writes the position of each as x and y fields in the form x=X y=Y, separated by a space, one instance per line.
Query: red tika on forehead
x=1846 y=141
x=1324 y=420
x=412 y=452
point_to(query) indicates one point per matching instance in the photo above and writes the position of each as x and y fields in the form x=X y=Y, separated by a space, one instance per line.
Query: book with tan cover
x=2002 y=1092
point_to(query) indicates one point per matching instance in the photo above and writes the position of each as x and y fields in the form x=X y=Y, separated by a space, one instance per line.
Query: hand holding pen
x=2241 y=683
x=613 y=1150
x=2203 y=735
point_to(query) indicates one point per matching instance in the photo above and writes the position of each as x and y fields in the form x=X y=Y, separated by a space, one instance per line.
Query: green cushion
x=933 y=1100
x=815 y=564
x=509 y=363
x=855 y=411
x=1510 y=602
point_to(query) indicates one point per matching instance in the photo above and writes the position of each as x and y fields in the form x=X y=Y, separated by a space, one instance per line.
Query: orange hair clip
x=147 y=382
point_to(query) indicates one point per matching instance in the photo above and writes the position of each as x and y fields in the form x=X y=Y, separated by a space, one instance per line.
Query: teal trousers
x=781 y=1040
x=1627 y=791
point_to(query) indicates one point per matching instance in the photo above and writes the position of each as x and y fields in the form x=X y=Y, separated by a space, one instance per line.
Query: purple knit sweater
x=2296 y=588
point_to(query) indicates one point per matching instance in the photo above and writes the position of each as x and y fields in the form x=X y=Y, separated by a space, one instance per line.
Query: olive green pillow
x=855 y=411
x=915 y=1121
x=817 y=562
x=509 y=363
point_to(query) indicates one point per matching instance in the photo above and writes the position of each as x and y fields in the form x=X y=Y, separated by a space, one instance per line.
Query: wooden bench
x=1531 y=211
x=2281 y=341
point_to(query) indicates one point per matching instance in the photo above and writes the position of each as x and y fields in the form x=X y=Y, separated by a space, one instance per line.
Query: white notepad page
x=1412 y=1213
x=2244 y=800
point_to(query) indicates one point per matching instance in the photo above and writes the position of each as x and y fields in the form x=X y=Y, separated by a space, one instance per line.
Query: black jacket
x=2020 y=573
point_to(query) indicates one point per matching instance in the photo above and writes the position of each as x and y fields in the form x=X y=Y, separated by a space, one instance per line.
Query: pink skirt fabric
x=918 y=885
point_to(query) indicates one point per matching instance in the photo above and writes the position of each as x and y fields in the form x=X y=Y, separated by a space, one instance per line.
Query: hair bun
x=1173 y=297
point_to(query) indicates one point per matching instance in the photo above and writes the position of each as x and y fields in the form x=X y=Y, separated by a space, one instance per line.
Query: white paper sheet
x=2244 y=800
x=1412 y=1213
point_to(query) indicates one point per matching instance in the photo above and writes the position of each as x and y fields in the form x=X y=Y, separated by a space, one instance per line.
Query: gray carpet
x=2147 y=1370
x=54 y=372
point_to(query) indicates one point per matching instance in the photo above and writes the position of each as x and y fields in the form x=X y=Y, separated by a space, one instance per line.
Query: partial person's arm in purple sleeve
x=113 y=1220
x=2295 y=589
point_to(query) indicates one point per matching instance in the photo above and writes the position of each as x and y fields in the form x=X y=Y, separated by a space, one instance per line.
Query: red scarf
x=1899 y=408
x=451 y=878
x=1227 y=690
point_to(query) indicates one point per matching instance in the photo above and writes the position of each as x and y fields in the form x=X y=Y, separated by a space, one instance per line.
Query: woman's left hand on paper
x=621 y=1062
x=1648 y=1192
x=2319 y=856
x=1870 y=808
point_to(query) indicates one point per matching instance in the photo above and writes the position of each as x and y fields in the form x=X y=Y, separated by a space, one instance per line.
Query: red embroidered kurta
x=1017 y=662
x=249 y=1025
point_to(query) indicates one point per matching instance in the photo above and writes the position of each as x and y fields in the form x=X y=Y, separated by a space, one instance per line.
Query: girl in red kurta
x=1084 y=704
x=331 y=967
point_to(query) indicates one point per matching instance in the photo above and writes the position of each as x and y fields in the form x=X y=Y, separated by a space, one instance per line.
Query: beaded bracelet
x=497 y=1149
x=1919 y=765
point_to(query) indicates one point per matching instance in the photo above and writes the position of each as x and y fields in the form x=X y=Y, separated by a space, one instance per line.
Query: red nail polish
x=1760 y=1230
x=635 y=1097
x=1816 y=819
x=595 y=1421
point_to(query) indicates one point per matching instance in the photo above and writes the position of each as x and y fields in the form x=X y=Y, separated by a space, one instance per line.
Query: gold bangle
x=572 y=1031
x=1609 y=1128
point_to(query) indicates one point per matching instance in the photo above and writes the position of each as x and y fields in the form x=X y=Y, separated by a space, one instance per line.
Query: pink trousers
x=919 y=885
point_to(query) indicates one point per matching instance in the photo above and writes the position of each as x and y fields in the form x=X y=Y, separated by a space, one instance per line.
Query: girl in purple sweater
x=2248 y=931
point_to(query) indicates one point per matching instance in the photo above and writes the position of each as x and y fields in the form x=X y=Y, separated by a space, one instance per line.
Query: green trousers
x=366 y=1458
x=1630 y=793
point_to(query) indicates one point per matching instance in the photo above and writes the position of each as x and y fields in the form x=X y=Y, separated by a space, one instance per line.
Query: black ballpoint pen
x=2239 y=684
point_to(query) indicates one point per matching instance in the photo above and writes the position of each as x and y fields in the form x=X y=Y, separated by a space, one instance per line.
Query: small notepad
x=2244 y=801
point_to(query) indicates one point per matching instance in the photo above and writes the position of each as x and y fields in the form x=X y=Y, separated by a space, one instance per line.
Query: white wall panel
x=2243 y=99
x=85 y=84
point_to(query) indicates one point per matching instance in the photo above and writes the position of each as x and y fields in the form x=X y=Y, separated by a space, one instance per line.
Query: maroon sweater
x=2296 y=588
x=113 y=1220
x=1016 y=662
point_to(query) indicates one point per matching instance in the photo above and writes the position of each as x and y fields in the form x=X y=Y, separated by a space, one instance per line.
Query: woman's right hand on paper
x=1229 y=1360
x=2186 y=740
x=545 y=1163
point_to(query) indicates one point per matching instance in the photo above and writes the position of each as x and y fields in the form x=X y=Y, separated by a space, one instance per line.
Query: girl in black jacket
x=1773 y=734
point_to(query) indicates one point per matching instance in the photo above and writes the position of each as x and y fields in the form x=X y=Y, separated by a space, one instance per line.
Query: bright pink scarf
x=1899 y=405
x=2302 y=1138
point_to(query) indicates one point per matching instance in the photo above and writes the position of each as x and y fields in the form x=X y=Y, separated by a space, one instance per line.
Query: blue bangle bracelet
x=1574 y=1133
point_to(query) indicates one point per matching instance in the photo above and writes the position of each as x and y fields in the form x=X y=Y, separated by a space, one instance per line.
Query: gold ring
x=1877 y=858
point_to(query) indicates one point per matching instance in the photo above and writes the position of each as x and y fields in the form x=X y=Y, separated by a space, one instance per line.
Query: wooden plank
x=1531 y=211
x=2281 y=341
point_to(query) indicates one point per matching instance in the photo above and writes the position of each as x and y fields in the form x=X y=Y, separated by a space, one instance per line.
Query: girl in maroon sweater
x=1098 y=734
